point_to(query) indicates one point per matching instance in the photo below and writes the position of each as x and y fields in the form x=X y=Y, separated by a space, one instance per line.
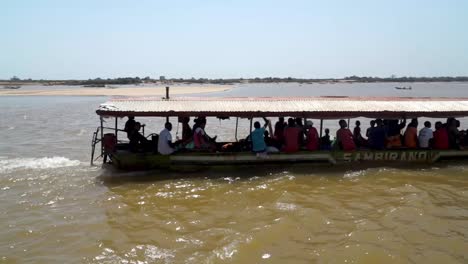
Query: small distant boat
x=403 y=88
x=12 y=87
x=96 y=85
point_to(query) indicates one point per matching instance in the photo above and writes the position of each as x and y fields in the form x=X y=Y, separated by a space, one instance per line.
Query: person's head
x=309 y=123
x=202 y=123
x=457 y=123
x=291 y=122
x=185 y=120
x=266 y=134
x=372 y=123
x=342 y=123
x=427 y=124
x=131 y=118
x=281 y=119
x=438 y=125
x=327 y=131
x=358 y=123
x=168 y=126
x=414 y=122
x=379 y=122
x=257 y=124
x=137 y=126
x=299 y=121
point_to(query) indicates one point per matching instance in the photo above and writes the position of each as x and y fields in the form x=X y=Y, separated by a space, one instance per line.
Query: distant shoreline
x=119 y=91
x=102 y=83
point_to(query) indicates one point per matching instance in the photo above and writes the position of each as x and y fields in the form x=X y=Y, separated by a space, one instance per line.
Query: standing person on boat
x=312 y=136
x=344 y=137
x=325 y=141
x=441 y=138
x=358 y=139
x=425 y=135
x=187 y=133
x=200 y=138
x=377 y=136
x=279 y=130
x=258 y=137
x=411 y=134
x=165 y=145
x=291 y=137
x=129 y=125
x=302 y=133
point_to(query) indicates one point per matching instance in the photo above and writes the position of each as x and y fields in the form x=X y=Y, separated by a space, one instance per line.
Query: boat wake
x=8 y=165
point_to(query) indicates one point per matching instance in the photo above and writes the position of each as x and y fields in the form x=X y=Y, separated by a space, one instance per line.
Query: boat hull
x=183 y=161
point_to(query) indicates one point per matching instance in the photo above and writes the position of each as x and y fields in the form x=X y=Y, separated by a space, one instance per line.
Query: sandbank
x=119 y=91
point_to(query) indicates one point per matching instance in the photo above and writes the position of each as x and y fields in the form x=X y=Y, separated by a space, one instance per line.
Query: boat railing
x=98 y=137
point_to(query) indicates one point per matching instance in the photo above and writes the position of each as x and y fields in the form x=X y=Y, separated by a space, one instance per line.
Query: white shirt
x=163 y=142
x=424 y=135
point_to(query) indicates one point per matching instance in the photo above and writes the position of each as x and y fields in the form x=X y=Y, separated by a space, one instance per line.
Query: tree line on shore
x=138 y=80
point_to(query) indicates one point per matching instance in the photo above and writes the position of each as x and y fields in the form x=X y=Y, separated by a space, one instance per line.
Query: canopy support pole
x=116 y=123
x=349 y=123
x=237 y=124
x=102 y=135
x=250 y=131
x=321 y=127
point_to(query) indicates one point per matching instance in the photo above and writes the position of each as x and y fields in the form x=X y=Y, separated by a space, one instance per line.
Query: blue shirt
x=258 y=140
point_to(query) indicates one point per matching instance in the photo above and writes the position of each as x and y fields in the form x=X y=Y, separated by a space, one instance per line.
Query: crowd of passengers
x=295 y=135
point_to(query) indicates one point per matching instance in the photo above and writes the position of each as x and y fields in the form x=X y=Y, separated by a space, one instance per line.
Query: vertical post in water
x=116 y=130
x=167 y=98
x=349 y=125
x=237 y=124
x=102 y=135
x=321 y=127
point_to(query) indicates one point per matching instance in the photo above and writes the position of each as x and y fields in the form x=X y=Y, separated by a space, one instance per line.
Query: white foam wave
x=8 y=165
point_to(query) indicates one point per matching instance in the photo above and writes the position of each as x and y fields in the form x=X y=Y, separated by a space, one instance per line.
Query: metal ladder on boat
x=95 y=140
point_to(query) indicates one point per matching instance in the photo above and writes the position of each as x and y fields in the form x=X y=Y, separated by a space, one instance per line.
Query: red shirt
x=441 y=140
x=345 y=137
x=312 y=139
x=291 y=139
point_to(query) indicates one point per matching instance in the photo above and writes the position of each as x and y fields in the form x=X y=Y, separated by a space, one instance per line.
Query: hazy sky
x=244 y=38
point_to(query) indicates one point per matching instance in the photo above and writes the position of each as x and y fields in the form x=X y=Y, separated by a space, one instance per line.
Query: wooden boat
x=11 y=87
x=403 y=88
x=306 y=107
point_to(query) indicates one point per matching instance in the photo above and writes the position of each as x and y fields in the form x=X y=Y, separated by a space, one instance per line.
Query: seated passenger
x=257 y=137
x=411 y=134
x=372 y=125
x=201 y=139
x=279 y=130
x=165 y=145
x=425 y=135
x=312 y=137
x=137 y=141
x=453 y=133
x=394 y=133
x=344 y=137
x=441 y=140
x=377 y=136
x=325 y=142
x=291 y=137
x=358 y=139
